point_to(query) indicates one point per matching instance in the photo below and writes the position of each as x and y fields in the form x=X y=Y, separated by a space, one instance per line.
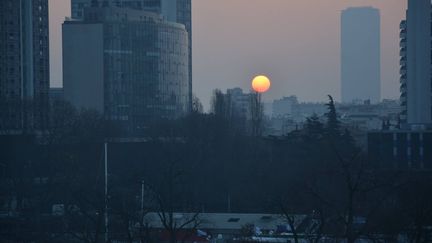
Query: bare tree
x=167 y=199
x=197 y=106
x=129 y=212
x=256 y=114
x=416 y=208
x=353 y=209
x=84 y=217
x=291 y=219
x=315 y=230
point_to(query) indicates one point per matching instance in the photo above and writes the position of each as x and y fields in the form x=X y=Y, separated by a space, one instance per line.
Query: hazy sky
x=294 y=42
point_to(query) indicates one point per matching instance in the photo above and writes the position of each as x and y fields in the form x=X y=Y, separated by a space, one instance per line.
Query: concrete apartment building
x=415 y=65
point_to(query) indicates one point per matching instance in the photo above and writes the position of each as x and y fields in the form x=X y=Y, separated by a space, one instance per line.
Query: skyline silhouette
x=231 y=45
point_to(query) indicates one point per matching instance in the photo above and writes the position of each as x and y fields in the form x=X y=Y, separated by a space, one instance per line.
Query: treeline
x=202 y=163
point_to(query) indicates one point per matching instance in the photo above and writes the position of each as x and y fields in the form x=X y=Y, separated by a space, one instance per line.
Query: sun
x=261 y=84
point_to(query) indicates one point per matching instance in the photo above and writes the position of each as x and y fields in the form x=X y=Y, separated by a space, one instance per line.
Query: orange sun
x=261 y=84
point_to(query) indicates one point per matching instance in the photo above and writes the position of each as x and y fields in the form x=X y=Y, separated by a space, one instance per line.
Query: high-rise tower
x=130 y=65
x=24 y=64
x=415 y=61
x=360 y=54
x=179 y=11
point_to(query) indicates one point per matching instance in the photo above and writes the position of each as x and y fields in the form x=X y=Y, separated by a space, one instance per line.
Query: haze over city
x=215 y=121
x=295 y=43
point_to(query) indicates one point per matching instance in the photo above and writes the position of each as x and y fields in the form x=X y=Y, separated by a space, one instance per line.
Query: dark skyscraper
x=415 y=64
x=179 y=11
x=360 y=54
x=24 y=64
x=130 y=65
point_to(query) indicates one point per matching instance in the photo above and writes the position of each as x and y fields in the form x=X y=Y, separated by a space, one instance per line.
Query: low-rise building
x=224 y=227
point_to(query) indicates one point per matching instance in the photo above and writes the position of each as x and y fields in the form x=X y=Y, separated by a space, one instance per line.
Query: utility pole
x=142 y=197
x=106 y=192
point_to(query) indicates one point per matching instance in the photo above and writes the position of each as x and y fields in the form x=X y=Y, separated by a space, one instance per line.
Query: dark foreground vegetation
x=52 y=185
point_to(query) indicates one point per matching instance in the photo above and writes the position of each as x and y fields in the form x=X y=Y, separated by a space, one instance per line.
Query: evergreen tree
x=348 y=139
x=333 y=123
x=314 y=127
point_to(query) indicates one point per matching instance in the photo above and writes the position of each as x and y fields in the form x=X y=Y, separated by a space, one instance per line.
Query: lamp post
x=106 y=191
x=142 y=197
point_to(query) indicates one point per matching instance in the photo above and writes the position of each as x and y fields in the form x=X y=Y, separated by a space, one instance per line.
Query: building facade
x=24 y=64
x=239 y=102
x=401 y=149
x=285 y=107
x=360 y=55
x=179 y=11
x=403 y=71
x=130 y=65
x=56 y=94
x=415 y=65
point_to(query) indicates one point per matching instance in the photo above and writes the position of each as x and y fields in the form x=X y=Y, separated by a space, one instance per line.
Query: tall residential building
x=24 y=64
x=360 y=55
x=415 y=61
x=130 y=65
x=179 y=11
